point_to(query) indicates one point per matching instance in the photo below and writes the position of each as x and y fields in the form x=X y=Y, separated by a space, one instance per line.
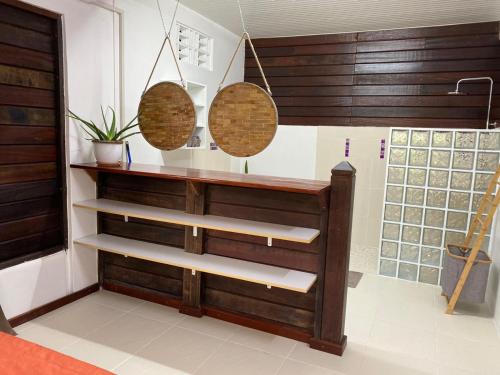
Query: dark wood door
x=32 y=182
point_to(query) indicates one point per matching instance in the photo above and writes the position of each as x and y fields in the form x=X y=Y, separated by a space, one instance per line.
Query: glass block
x=436 y=198
x=432 y=237
x=416 y=176
x=489 y=141
x=482 y=181
x=420 y=138
x=392 y=212
x=390 y=231
x=389 y=249
x=457 y=220
x=461 y=180
x=411 y=234
x=487 y=161
x=440 y=159
x=465 y=140
x=418 y=157
x=397 y=156
x=441 y=139
x=431 y=256
x=438 y=178
x=428 y=275
x=463 y=160
x=434 y=218
x=394 y=194
x=476 y=201
x=396 y=175
x=413 y=215
x=415 y=196
x=407 y=271
x=388 y=267
x=409 y=253
x=459 y=201
x=399 y=137
x=454 y=237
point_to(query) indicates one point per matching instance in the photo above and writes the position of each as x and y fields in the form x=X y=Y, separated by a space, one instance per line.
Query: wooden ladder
x=488 y=207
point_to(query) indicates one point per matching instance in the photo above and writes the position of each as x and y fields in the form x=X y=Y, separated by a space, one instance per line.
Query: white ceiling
x=269 y=18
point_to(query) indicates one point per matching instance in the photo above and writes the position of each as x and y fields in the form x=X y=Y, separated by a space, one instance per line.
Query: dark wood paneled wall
x=278 y=305
x=32 y=187
x=120 y=271
x=382 y=78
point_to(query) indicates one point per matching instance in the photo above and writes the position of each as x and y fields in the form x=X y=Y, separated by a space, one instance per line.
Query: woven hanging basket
x=243 y=119
x=167 y=117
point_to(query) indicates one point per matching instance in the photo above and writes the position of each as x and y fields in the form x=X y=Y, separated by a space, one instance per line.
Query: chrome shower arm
x=488 y=124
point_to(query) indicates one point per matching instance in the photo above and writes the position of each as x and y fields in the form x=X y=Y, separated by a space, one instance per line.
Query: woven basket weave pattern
x=243 y=119
x=167 y=117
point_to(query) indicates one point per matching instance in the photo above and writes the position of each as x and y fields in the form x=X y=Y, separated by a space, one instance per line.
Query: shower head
x=457 y=92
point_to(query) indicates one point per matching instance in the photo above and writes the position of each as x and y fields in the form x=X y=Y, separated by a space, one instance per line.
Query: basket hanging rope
x=166 y=115
x=243 y=118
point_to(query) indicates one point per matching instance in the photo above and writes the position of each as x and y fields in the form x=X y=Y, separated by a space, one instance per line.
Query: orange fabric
x=20 y=357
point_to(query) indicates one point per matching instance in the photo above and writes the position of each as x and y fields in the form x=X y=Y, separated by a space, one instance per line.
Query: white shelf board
x=213 y=264
x=226 y=224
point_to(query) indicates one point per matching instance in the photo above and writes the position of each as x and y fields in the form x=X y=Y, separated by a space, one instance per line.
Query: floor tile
x=48 y=337
x=387 y=362
x=159 y=313
x=80 y=319
x=401 y=339
x=128 y=333
x=291 y=367
x=468 y=327
x=115 y=300
x=232 y=359
x=209 y=326
x=349 y=363
x=267 y=342
x=99 y=355
x=358 y=327
x=181 y=349
x=467 y=354
x=140 y=366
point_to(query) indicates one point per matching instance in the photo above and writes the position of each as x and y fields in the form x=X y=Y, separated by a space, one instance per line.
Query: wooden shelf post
x=334 y=264
x=191 y=284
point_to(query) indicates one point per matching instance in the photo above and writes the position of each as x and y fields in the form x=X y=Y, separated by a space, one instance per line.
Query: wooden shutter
x=32 y=183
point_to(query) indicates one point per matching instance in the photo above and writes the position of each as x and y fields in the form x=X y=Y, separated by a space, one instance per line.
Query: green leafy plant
x=246 y=166
x=110 y=133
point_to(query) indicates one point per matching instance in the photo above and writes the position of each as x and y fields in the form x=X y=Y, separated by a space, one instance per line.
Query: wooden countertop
x=313 y=187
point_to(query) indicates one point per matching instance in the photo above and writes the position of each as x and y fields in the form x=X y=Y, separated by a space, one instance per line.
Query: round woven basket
x=243 y=119
x=167 y=117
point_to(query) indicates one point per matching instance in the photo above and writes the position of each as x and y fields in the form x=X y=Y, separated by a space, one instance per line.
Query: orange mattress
x=20 y=357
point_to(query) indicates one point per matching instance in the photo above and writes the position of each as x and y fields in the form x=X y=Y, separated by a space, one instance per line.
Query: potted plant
x=108 y=142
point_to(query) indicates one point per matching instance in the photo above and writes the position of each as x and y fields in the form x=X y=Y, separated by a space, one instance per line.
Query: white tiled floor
x=393 y=328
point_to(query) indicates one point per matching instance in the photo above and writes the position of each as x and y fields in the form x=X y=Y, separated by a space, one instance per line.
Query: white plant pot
x=108 y=153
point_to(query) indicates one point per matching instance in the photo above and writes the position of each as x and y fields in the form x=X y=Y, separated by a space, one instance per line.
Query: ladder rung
x=479 y=220
x=491 y=201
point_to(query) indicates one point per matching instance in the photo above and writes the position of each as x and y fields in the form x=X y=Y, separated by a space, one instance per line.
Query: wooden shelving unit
x=265 y=252
x=213 y=264
x=226 y=224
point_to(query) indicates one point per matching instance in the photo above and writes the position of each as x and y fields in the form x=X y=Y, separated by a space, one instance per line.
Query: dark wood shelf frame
x=316 y=317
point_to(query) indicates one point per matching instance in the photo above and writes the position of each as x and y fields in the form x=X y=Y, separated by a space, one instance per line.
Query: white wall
x=87 y=38
x=291 y=154
x=143 y=35
x=493 y=292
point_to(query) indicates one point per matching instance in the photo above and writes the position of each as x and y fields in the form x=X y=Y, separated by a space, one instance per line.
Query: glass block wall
x=434 y=182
